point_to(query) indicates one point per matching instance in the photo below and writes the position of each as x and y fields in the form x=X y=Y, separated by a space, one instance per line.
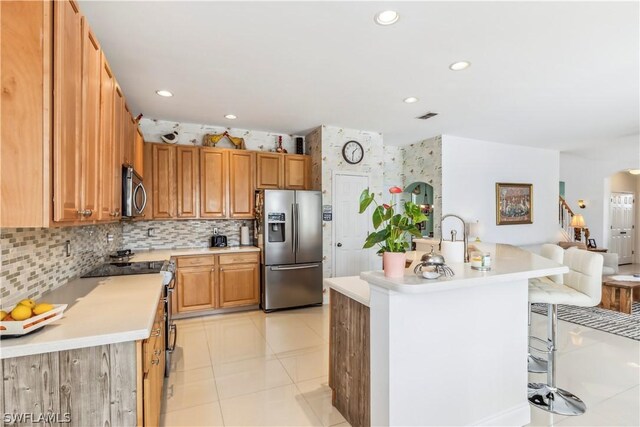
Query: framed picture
x=514 y=203
x=591 y=243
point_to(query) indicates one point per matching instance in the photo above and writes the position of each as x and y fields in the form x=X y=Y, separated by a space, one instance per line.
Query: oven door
x=170 y=330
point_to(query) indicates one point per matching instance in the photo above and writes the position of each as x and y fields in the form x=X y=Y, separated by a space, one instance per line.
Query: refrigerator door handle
x=294 y=227
x=297 y=236
x=296 y=267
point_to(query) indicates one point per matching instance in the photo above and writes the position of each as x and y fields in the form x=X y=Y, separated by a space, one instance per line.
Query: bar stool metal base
x=537 y=365
x=555 y=400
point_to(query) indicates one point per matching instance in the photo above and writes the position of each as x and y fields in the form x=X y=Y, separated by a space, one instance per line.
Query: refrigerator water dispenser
x=276 y=227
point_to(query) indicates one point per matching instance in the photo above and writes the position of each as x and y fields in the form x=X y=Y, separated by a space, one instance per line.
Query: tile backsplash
x=180 y=234
x=33 y=260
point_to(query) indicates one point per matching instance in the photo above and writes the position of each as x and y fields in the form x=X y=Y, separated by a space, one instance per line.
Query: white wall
x=470 y=170
x=637 y=220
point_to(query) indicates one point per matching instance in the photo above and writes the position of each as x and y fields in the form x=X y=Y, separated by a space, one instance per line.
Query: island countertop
x=105 y=310
x=509 y=263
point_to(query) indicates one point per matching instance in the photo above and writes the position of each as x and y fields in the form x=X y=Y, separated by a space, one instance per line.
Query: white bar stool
x=555 y=253
x=583 y=288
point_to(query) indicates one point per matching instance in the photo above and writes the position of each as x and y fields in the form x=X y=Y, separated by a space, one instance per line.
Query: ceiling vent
x=427 y=116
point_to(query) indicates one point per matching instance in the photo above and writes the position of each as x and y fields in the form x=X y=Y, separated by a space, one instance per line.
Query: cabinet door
x=188 y=181
x=118 y=142
x=25 y=58
x=147 y=154
x=241 y=184
x=91 y=72
x=164 y=182
x=127 y=137
x=138 y=151
x=196 y=288
x=296 y=171
x=239 y=285
x=270 y=170
x=67 y=101
x=107 y=160
x=214 y=174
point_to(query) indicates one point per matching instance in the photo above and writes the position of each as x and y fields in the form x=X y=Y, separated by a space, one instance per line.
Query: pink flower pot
x=393 y=263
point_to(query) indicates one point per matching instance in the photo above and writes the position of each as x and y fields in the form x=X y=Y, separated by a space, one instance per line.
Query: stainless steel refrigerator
x=290 y=236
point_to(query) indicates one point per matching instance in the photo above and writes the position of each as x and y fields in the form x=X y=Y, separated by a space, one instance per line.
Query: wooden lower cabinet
x=239 y=285
x=152 y=360
x=196 y=288
x=349 y=361
x=208 y=282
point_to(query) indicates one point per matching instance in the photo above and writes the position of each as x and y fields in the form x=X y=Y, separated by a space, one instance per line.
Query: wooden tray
x=23 y=327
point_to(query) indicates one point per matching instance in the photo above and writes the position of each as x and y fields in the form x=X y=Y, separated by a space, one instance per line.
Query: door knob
x=339 y=245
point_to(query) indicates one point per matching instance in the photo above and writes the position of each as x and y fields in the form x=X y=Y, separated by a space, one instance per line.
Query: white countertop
x=101 y=311
x=165 y=254
x=508 y=263
x=352 y=286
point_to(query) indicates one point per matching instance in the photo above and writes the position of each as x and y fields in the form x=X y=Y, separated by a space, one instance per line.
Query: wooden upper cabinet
x=270 y=170
x=107 y=155
x=239 y=285
x=118 y=146
x=138 y=151
x=25 y=103
x=214 y=174
x=188 y=178
x=196 y=288
x=67 y=117
x=128 y=137
x=296 y=171
x=91 y=74
x=148 y=180
x=241 y=184
x=164 y=181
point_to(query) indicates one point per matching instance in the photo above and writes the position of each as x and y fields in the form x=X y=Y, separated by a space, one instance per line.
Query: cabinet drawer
x=196 y=261
x=240 y=258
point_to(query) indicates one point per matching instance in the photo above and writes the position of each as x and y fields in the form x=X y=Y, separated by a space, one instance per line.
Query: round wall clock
x=353 y=152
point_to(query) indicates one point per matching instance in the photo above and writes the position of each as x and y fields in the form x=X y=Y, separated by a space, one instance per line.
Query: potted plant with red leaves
x=391 y=229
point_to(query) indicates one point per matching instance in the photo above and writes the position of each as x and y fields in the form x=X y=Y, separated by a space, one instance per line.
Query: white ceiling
x=556 y=75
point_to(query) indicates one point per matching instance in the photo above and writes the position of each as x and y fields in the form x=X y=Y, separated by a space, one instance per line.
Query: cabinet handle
x=157 y=352
x=155 y=361
x=155 y=332
x=88 y=212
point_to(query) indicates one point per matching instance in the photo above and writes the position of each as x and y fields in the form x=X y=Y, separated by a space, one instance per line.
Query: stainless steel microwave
x=134 y=195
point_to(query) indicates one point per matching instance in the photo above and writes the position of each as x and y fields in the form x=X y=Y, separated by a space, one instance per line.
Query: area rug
x=625 y=325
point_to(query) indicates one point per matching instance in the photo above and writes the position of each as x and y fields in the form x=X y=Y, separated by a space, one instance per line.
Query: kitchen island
x=451 y=351
x=101 y=364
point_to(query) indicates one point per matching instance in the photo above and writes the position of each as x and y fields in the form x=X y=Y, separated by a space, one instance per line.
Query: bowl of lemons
x=28 y=316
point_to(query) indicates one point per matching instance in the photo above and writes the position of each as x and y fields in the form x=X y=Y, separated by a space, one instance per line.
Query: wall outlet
x=109 y=237
x=215 y=230
x=151 y=232
x=67 y=248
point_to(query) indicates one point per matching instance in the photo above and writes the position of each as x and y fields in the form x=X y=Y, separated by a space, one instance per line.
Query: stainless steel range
x=122 y=267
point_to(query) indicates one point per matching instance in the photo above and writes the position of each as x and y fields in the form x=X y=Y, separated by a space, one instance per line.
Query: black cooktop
x=125 y=269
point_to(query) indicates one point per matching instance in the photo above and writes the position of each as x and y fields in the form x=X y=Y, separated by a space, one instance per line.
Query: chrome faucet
x=453 y=235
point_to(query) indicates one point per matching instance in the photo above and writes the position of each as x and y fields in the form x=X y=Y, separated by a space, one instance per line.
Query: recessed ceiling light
x=387 y=17
x=459 y=66
x=634 y=171
x=411 y=100
x=230 y=116
x=164 y=93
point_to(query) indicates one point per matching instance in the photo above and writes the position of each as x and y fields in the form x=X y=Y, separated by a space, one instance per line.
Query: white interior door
x=622 y=229
x=350 y=228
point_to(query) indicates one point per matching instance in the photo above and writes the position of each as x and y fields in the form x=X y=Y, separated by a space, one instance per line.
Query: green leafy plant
x=391 y=227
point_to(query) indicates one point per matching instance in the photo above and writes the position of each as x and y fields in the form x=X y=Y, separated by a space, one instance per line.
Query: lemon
x=28 y=302
x=21 y=312
x=42 y=308
x=3 y=314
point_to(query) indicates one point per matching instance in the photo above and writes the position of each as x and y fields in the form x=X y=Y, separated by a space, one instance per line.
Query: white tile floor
x=256 y=369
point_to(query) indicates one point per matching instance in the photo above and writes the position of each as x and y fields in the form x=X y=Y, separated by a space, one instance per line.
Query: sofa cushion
x=608 y=271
